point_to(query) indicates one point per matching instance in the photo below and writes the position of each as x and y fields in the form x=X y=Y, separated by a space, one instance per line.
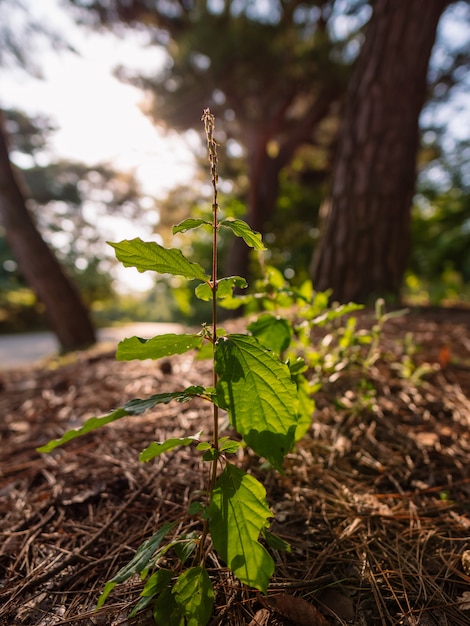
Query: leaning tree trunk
x=365 y=239
x=68 y=316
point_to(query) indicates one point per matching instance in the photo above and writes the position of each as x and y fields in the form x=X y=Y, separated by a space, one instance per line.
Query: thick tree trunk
x=364 y=246
x=68 y=316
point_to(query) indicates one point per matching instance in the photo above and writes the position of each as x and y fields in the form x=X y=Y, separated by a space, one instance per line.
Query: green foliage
x=259 y=392
x=260 y=379
x=256 y=390
x=238 y=512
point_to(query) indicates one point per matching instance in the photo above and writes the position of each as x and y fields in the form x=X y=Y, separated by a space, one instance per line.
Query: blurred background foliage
x=300 y=60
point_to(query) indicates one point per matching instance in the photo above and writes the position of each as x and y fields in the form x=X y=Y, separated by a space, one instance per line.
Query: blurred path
x=27 y=348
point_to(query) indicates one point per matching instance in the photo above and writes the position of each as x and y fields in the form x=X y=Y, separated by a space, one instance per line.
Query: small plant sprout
x=267 y=405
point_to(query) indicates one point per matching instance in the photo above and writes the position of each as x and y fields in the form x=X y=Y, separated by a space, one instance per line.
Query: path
x=27 y=348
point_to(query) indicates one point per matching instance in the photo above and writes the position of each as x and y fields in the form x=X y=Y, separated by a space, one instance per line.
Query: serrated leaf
x=257 y=391
x=229 y=445
x=194 y=596
x=148 y=255
x=273 y=332
x=157 y=347
x=225 y=287
x=133 y=407
x=91 y=424
x=158 y=448
x=190 y=224
x=137 y=564
x=237 y=513
x=138 y=406
x=240 y=228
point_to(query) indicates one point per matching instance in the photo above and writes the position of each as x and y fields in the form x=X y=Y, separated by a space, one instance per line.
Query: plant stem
x=209 y=124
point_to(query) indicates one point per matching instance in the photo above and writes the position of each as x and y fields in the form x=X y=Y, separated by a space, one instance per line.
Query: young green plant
x=259 y=392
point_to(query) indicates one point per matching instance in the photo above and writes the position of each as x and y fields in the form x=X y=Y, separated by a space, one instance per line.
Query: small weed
x=264 y=379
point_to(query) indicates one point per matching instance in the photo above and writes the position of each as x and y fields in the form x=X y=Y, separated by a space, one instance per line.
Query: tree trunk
x=365 y=240
x=264 y=169
x=68 y=316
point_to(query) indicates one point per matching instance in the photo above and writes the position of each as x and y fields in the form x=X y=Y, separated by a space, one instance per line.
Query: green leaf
x=194 y=596
x=240 y=228
x=137 y=564
x=148 y=255
x=190 y=224
x=275 y=542
x=156 y=448
x=229 y=445
x=273 y=332
x=257 y=391
x=157 y=347
x=225 y=287
x=306 y=406
x=138 y=406
x=186 y=546
x=195 y=508
x=156 y=584
x=237 y=513
x=91 y=424
x=332 y=314
x=133 y=407
x=166 y=612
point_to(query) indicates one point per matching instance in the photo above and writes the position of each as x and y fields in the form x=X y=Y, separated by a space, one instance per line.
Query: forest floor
x=375 y=500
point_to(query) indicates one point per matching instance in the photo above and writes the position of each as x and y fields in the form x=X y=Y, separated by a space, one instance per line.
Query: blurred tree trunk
x=364 y=245
x=68 y=316
x=264 y=167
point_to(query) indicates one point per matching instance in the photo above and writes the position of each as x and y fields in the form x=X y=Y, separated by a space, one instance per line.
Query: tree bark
x=67 y=315
x=365 y=239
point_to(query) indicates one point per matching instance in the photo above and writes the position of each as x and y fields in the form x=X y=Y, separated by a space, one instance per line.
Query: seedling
x=261 y=395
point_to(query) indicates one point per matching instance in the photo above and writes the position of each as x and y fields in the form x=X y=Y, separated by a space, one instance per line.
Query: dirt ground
x=374 y=500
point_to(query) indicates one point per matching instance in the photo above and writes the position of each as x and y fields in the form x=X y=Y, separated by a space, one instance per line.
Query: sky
x=97 y=117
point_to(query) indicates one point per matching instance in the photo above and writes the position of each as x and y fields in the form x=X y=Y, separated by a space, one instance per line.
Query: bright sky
x=98 y=117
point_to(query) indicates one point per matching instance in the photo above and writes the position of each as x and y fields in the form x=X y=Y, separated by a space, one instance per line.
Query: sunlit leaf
x=148 y=255
x=158 y=448
x=273 y=332
x=189 y=224
x=257 y=391
x=306 y=407
x=157 y=347
x=237 y=513
x=240 y=228
x=225 y=287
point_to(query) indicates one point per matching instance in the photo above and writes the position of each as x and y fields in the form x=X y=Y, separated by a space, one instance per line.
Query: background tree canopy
x=281 y=78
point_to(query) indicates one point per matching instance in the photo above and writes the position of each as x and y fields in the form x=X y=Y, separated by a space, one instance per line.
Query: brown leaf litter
x=374 y=500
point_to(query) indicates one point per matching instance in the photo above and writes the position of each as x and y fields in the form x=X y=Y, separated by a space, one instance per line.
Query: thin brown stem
x=209 y=124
